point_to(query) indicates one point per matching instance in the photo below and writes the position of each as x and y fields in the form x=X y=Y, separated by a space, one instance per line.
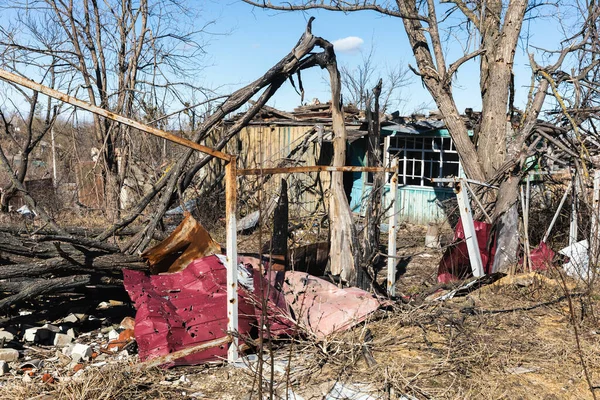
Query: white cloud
x=350 y=44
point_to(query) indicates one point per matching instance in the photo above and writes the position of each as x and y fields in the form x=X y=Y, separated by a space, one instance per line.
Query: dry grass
x=513 y=339
x=471 y=347
x=510 y=340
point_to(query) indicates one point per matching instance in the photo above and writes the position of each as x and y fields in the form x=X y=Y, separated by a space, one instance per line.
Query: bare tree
x=498 y=24
x=68 y=256
x=125 y=56
x=357 y=83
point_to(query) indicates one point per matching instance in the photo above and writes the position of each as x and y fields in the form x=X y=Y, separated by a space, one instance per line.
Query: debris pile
x=61 y=351
x=185 y=308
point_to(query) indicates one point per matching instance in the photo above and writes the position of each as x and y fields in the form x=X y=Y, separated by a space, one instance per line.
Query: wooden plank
x=310 y=168
x=38 y=87
x=168 y=358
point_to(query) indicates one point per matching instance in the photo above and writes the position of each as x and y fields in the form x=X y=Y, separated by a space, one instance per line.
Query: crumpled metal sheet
x=186 y=243
x=321 y=308
x=541 y=257
x=187 y=308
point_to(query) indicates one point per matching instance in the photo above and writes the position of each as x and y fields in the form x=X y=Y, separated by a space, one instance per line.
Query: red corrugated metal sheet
x=188 y=308
x=175 y=311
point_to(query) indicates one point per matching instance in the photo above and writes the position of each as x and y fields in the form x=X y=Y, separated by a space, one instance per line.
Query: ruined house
x=422 y=144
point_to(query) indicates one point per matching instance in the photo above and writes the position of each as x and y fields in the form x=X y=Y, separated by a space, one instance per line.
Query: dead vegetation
x=511 y=339
x=528 y=334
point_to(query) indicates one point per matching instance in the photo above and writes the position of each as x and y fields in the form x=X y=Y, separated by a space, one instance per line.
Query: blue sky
x=247 y=41
x=256 y=39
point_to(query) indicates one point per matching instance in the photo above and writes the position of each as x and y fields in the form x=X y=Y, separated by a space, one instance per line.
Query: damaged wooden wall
x=274 y=145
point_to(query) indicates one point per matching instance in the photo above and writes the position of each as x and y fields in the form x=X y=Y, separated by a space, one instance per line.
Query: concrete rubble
x=61 y=350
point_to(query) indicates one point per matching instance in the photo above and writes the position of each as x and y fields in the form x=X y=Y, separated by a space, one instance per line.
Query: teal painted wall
x=420 y=205
x=416 y=205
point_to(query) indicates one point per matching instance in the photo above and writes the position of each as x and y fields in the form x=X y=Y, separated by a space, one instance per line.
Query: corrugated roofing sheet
x=414 y=128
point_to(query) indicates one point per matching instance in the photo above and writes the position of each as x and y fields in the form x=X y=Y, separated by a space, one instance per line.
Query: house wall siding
x=269 y=146
x=416 y=205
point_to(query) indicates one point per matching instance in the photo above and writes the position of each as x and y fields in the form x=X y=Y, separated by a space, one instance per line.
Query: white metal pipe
x=392 y=231
x=466 y=216
x=573 y=225
x=232 y=277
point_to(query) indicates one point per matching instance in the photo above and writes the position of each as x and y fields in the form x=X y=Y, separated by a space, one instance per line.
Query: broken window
x=423 y=158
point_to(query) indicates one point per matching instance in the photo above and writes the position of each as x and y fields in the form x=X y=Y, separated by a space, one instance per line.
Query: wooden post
x=232 y=283
x=466 y=217
x=392 y=229
x=573 y=226
x=595 y=229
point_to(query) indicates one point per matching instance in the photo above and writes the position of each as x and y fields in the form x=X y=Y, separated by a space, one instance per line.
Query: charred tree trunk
x=370 y=245
x=345 y=249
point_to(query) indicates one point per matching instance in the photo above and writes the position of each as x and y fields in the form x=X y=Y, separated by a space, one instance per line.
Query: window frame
x=441 y=146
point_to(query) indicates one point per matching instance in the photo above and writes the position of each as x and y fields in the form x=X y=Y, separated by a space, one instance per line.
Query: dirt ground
x=518 y=338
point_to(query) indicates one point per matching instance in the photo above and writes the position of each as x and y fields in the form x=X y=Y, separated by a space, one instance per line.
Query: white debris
x=62 y=339
x=81 y=351
x=99 y=364
x=72 y=318
x=4 y=368
x=9 y=355
x=41 y=335
x=578 y=265
x=29 y=335
x=113 y=335
x=51 y=328
x=124 y=355
x=67 y=351
x=26 y=212
x=342 y=391
x=78 y=376
x=244 y=276
x=7 y=336
x=184 y=380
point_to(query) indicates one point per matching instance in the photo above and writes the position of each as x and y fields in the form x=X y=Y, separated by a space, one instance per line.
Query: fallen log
x=45 y=286
x=73 y=264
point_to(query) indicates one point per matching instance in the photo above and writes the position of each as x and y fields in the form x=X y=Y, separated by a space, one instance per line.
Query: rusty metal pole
x=392 y=232
x=232 y=277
